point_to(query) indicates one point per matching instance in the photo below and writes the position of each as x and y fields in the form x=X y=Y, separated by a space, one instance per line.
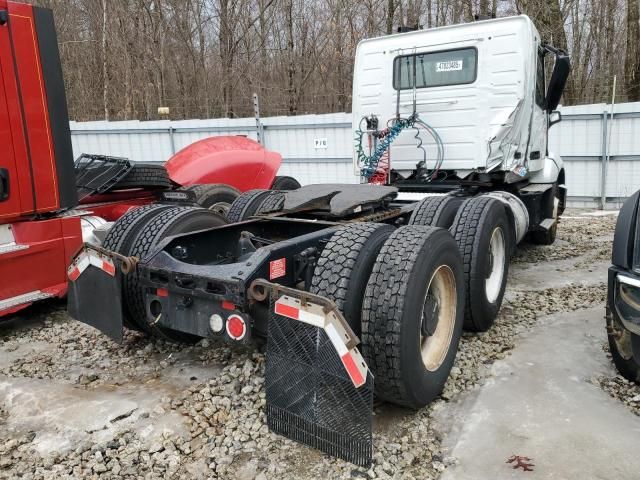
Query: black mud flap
x=94 y=293
x=311 y=396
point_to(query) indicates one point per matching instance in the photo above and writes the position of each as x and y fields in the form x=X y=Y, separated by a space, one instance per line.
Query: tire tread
x=382 y=309
x=241 y=207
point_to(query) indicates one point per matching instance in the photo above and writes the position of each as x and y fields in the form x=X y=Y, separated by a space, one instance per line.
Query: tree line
x=122 y=59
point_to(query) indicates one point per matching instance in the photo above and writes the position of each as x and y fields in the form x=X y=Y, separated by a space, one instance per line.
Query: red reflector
x=162 y=292
x=352 y=370
x=109 y=268
x=228 y=305
x=236 y=328
x=74 y=274
x=287 y=311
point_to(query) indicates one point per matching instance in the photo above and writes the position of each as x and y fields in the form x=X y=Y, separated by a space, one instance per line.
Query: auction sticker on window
x=450 y=66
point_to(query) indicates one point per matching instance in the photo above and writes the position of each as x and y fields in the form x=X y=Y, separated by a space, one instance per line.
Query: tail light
x=236 y=327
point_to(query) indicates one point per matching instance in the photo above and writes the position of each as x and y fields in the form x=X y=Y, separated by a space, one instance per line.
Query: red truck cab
x=36 y=160
x=36 y=171
x=41 y=220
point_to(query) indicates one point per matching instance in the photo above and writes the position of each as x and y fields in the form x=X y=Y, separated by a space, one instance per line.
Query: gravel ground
x=217 y=392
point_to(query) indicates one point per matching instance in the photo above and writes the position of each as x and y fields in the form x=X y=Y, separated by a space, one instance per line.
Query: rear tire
x=485 y=238
x=211 y=194
x=412 y=315
x=274 y=202
x=437 y=211
x=344 y=267
x=246 y=205
x=285 y=183
x=172 y=221
x=121 y=236
x=145 y=176
x=620 y=348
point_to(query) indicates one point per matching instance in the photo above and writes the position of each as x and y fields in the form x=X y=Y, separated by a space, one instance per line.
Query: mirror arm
x=554 y=50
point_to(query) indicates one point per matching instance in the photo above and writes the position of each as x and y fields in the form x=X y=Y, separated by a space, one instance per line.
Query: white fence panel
x=319 y=148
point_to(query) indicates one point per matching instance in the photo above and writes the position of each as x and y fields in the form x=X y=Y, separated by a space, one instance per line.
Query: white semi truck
x=478 y=107
x=457 y=116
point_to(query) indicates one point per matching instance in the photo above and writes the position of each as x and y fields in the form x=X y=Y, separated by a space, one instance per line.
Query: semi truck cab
x=480 y=93
x=36 y=169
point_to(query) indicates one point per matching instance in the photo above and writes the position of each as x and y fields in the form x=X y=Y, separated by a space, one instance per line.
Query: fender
x=550 y=171
x=624 y=237
x=237 y=161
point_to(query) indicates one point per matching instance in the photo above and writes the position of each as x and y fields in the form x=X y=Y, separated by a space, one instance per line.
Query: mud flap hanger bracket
x=319 y=312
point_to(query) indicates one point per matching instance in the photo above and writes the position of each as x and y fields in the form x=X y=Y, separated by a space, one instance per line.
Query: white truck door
x=538 y=137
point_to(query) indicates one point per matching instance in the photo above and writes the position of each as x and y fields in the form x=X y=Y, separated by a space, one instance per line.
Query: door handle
x=4 y=184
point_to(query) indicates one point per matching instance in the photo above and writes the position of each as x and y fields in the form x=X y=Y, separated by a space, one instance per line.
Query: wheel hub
x=491 y=262
x=438 y=318
x=496 y=261
x=430 y=315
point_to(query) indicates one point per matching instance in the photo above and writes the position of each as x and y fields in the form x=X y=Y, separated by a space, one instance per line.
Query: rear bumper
x=195 y=296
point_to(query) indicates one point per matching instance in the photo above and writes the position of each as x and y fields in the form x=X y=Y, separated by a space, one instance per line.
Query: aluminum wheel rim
x=497 y=255
x=434 y=348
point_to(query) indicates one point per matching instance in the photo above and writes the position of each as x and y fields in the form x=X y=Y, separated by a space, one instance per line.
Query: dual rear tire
x=400 y=290
x=485 y=236
x=217 y=197
x=408 y=292
x=137 y=233
x=412 y=315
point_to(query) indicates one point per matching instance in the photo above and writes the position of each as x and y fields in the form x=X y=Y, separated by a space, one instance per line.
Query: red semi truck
x=46 y=212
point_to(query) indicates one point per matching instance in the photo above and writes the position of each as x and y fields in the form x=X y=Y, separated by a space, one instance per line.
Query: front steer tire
x=485 y=238
x=344 y=267
x=408 y=353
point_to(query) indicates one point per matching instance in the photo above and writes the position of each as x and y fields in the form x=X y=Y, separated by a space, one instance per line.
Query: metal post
x=605 y=155
x=256 y=112
x=172 y=140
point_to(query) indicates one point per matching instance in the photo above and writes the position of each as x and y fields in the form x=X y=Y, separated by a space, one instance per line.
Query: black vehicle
x=623 y=296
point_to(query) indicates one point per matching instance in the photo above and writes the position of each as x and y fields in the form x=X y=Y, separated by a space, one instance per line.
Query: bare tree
x=632 y=63
x=205 y=58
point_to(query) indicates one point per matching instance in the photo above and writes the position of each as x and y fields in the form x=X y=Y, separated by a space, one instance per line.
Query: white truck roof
x=477 y=78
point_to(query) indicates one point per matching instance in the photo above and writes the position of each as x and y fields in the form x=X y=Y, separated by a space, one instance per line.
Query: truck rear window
x=435 y=69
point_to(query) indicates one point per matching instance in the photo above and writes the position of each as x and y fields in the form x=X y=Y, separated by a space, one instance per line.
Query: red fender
x=236 y=161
